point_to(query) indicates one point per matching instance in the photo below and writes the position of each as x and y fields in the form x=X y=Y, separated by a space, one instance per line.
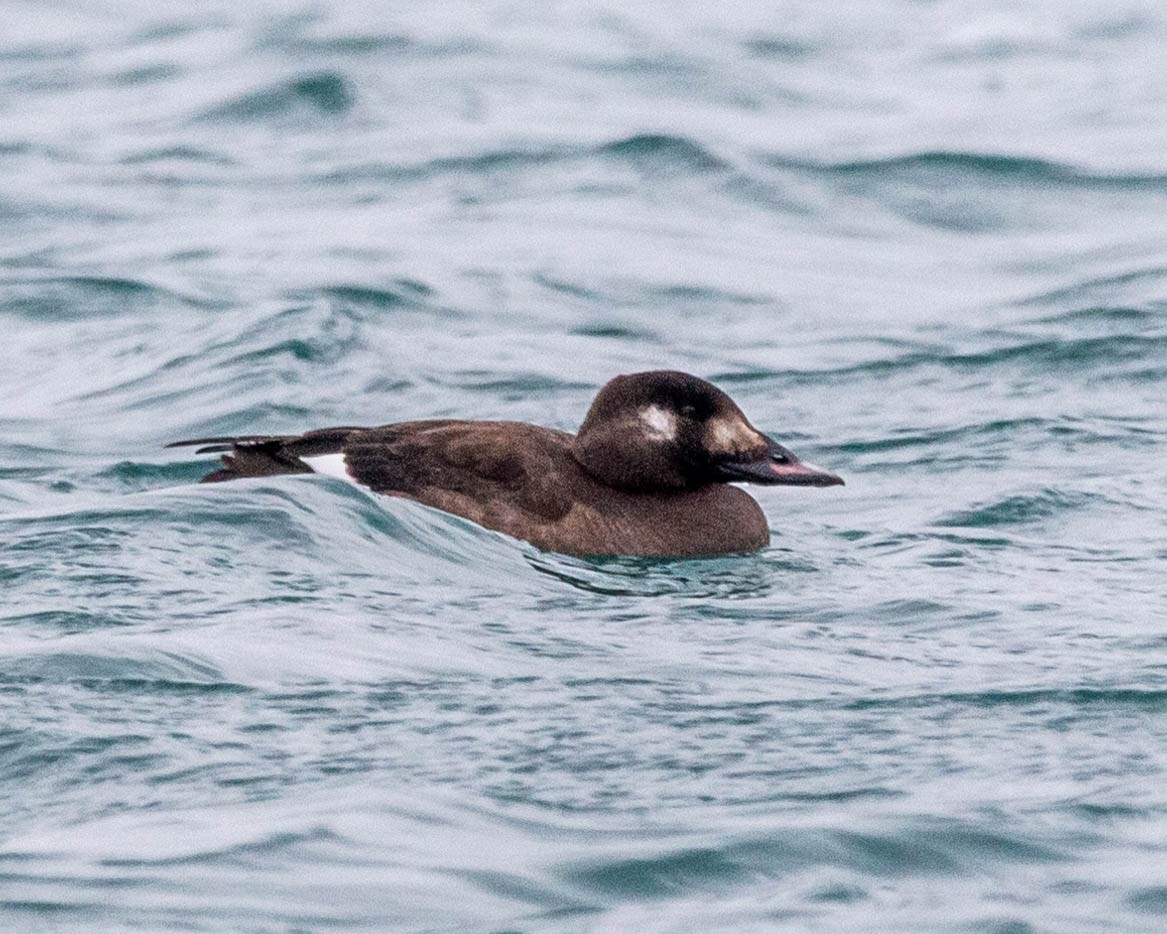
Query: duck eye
x=688 y=410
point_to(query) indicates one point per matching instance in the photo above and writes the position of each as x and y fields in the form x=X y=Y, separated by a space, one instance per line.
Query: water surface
x=924 y=244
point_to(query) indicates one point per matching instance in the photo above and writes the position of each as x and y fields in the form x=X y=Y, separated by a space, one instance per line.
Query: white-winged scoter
x=647 y=473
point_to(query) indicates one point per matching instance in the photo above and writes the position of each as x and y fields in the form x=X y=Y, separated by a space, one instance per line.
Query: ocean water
x=923 y=243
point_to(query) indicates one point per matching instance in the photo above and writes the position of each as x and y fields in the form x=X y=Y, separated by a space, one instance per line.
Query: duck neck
x=620 y=459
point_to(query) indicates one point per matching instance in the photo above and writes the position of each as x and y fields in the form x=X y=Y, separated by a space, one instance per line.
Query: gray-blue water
x=924 y=244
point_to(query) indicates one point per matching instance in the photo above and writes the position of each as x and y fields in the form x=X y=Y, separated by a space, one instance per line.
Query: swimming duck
x=647 y=473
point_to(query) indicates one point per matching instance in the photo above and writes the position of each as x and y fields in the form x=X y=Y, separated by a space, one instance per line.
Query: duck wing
x=504 y=475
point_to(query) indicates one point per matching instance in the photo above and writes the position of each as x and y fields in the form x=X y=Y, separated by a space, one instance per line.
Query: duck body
x=647 y=474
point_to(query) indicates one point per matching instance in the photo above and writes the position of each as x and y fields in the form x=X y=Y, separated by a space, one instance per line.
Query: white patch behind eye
x=731 y=435
x=661 y=423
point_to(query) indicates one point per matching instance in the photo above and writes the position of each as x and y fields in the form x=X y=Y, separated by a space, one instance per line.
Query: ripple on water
x=1021 y=509
x=324 y=93
x=83 y=298
x=973 y=192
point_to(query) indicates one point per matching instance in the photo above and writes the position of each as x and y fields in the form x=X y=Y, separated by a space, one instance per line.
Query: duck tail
x=266 y=455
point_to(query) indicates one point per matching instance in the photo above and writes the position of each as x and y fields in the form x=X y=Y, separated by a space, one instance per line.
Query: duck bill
x=779 y=467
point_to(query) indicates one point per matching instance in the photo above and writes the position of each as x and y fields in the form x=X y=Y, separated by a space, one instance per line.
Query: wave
x=158 y=671
x=1151 y=900
x=780 y=47
x=970 y=193
x=191 y=154
x=734 y=578
x=443 y=872
x=348 y=45
x=404 y=293
x=976 y=170
x=322 y=93
x=1110 y=297
x=1134 y=699
x=1053 y=698
x=1021 y=509
x=643 y=151
x=611 y=293
x=972 y=434
x=1053 y=355
x=84 y=297
x=919 y=847
x=657 y=150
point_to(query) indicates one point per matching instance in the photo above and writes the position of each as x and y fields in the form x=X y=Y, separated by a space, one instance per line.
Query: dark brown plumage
x=645 y=475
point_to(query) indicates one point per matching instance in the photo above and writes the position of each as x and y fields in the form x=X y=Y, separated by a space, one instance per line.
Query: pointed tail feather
x=266 y=455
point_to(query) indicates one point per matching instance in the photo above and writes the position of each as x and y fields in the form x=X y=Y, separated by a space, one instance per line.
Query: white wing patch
x=661 y=423
x=330 y=465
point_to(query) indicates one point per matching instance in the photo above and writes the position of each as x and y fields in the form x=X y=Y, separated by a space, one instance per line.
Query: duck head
x=666 y=431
